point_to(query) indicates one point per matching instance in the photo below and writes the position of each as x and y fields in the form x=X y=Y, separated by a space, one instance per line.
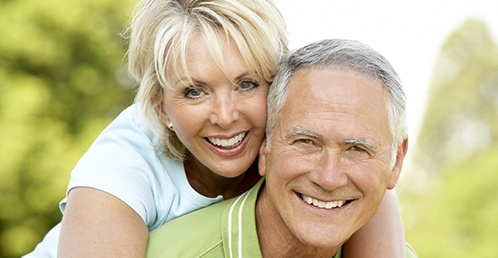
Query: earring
x=170 y=126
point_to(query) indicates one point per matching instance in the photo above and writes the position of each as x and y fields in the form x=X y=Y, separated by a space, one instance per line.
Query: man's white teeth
x=227 y=143
x=323 y=205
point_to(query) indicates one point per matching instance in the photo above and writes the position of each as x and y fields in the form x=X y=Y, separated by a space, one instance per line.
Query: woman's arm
x=97 y=224
x=383 y=236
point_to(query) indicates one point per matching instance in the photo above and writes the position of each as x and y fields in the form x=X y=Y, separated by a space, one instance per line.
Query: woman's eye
x=248 y=85
x=192 y=93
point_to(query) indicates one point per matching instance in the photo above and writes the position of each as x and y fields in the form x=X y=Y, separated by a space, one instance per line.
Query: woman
x=193 y=136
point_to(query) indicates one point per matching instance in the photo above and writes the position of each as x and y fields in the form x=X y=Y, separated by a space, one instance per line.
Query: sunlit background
x=62 y=80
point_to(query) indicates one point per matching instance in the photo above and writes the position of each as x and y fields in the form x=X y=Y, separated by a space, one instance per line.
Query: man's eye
x=248 y=85
x=304 y=141
x=192 y=93
x=357 y=149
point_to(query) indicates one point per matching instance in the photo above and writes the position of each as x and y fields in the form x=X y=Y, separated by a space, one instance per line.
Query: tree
x=454 y=214
x=461 y=112
x=63 y=79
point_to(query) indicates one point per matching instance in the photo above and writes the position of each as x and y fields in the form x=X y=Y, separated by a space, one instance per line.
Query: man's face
x=329 y=164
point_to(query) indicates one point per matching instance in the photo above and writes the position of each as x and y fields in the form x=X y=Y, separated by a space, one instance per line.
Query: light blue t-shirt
x=126 y=160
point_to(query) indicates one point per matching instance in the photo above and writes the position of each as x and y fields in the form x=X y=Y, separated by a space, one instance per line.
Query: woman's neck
x=210 y=184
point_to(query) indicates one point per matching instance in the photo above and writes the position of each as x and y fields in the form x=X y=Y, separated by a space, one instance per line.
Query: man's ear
x=396 y=170
x=262 y=158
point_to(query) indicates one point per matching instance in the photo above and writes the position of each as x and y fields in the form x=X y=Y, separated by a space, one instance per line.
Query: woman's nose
x=224 y=112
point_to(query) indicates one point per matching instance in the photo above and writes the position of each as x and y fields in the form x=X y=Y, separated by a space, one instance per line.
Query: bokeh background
x=63 y=79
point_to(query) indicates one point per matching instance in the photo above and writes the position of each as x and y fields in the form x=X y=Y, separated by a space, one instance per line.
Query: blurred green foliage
x=62 y=80
x=453 y=211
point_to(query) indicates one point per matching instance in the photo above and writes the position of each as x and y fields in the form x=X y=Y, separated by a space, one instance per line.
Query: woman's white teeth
x=320 y=204
x=227 y=143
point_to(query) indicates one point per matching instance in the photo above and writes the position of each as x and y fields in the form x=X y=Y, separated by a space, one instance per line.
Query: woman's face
x=220 y=117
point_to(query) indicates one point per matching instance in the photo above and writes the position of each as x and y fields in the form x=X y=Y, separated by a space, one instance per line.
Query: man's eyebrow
x=362 y=142
x=301 y=131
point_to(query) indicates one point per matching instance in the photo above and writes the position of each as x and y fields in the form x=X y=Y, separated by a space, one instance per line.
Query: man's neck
x=275 y=239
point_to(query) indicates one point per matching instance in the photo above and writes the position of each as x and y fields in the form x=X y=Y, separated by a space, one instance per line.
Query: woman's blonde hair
x=162 y=29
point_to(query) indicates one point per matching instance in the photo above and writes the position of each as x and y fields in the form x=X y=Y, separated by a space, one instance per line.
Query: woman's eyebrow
x=242 y=75
x=187 y=79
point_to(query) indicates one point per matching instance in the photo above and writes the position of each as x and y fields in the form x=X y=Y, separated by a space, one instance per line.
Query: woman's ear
x=161 y=114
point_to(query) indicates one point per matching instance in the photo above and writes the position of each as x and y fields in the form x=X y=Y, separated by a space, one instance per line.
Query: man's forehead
x=320 y=100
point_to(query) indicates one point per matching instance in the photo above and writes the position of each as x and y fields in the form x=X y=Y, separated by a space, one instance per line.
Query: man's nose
x=330 y=172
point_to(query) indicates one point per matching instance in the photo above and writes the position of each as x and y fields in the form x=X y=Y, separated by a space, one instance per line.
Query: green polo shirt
x=225 y=229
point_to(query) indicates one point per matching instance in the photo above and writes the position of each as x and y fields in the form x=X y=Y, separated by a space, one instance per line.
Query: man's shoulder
x=198 y=233
x=207 y=231
x=410 y=252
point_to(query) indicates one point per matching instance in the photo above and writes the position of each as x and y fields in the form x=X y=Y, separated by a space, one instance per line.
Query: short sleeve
x=123 y=161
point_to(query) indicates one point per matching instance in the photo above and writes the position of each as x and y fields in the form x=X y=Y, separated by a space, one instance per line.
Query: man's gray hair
x=345 y=55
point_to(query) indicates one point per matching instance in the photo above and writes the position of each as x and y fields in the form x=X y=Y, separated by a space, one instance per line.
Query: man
x=336 y=140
